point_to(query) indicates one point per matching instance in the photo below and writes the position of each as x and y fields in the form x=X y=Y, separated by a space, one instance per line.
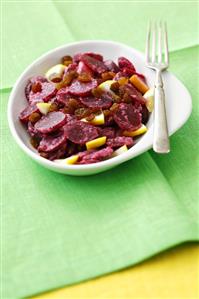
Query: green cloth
x=59 y=230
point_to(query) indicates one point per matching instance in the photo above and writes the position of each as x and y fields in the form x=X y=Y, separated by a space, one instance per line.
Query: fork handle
x=160 y=134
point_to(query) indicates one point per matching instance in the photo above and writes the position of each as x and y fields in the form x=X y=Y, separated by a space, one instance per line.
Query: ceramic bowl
x=178 y=103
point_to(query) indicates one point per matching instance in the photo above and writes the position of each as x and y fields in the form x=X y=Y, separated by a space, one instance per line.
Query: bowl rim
x=51 y=164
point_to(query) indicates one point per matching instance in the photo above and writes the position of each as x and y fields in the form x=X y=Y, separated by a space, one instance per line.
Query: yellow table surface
x=171 y=274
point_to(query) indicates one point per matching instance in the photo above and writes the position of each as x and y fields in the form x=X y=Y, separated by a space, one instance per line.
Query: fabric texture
x=170 y=275
x=59 y=230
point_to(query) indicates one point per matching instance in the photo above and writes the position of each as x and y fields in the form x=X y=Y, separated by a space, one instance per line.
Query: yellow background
x=172 y=274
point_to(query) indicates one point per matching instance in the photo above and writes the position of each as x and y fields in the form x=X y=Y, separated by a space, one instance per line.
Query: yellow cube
x=137 y=132
x=96 y=143
x=97 y=120
x=55 y=72
x=72 y=159
x=43 y=107
x=120 y=151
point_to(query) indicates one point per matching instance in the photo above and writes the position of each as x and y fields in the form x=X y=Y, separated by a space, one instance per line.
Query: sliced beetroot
x=105 y=101
x=48 y=91
x=127 y=72
x=80 y=132
x=94 y=64
x=50 y=122
x=82 y=89
x=145 y=114
x=96 y=156
x=83 y=68
x=77 y=57
x=57 y=154
x=94 y=55
x=25 y=114
x=109 y=132
x=32 y=81
x=63 y=96
x=52 y=142
x=120 y=141
x=125 y=63
x=133 y=93
x=127 y=117
x=111 y=66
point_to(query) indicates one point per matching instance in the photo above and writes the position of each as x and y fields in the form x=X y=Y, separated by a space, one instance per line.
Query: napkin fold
x=58 y=230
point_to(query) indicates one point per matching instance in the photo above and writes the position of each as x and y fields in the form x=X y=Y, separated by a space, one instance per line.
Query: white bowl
x=178 y=103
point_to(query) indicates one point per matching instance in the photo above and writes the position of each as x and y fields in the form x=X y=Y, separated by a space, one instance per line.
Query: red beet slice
x=77 y=57
x=125 y=63
x=127 y=117
x=80 y=132
x=50 y=122
x=52 y=142
x=119 y=141
x=80 y=88
x=109 y=132
x=145 y=114
x=48 y=91
x=57 y=154
x=105 y=101
x=82 y=68
x=63 y=96
x=24 y=115
x=134 y=93
x=96 y=156
x=94 y=64
x=111 y=66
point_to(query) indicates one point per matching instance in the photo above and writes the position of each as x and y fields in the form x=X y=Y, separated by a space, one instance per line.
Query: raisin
x=82 y=112
x=115 y=86
x=97 y=92
x=34 y=142
x=107 y=76
x=44 y=155
x=68 y=77
x=66 y=60
x=36 y=87
x=114 y=107
x=84 y=77
x=34 y=117
x=126 y=98
x=73 y=103
x=106 y=112
x=53 y=107
x=116 y=98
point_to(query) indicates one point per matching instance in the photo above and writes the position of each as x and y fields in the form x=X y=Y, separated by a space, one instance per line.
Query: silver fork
x=158 y=61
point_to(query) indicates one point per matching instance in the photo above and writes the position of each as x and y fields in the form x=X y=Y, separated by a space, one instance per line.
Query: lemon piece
x=96 y=142
x=55 y=73
x=43 y=107
x=149 y=96
x=106 y=85
x=70 y=160
x=97 y=120
x=137 y=132
x=120 y=151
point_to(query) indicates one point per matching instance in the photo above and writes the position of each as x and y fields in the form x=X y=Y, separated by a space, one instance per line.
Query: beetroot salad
x=86 y=109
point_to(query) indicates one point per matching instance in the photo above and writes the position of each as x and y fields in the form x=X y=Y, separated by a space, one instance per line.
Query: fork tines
x=157 y=41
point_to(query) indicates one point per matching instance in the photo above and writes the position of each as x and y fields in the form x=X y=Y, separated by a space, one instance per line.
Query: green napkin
x=59 y=230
